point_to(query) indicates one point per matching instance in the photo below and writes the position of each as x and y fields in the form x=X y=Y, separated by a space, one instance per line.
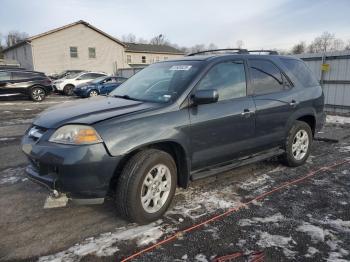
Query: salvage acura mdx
x=173 y=122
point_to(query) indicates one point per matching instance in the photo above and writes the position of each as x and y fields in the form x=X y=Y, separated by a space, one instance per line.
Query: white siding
x=52 y=52
x=136 y=57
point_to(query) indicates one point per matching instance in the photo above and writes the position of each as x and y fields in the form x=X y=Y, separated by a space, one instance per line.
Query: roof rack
x=232 y=50
x=269 y=52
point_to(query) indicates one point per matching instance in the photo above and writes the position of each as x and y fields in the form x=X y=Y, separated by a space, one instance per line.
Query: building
x=82 y=46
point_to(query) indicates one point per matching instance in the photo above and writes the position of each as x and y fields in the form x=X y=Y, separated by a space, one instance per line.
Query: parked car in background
x=99 y=86
x=64 y=74
x=35 y=85
x=174 y=122
x=66 y=85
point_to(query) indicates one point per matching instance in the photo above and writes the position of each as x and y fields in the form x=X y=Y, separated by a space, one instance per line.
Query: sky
x=259 y=24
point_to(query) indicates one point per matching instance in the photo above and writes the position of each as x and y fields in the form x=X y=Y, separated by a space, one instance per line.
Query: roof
x=148 y=48
x=29 y=39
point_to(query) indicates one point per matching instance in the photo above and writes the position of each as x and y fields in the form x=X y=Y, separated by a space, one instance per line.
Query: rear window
x=300 y=71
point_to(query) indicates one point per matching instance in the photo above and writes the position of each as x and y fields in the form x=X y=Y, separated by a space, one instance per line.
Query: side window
x=73 y=51
x=85 y=76
x=300 y=71
x=5 y=76
x=92 y=52
x=21 y=75
x=266 y=77
x=227 y=78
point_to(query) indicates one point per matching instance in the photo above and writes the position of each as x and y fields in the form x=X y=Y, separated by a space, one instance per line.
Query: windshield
x=98 y=79
x=160 y=82
x=72 y=75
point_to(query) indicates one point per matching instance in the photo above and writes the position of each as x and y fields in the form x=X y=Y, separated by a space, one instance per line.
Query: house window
x=157 y=59
x=128 y=59
x=92 y=52
x=73 y=51
x=25 y=52
x=143 y=59
x=165 y=58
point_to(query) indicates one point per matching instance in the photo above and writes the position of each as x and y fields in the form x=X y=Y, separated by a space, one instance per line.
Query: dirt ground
x=305 y=221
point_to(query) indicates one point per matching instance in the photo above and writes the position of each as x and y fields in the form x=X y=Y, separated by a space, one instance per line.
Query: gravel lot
x=305 y=221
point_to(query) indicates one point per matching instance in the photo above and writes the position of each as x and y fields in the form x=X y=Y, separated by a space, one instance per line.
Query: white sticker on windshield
x=181 y=67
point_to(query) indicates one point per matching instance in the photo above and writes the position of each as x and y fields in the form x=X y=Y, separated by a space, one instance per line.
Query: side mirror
x=205 y=96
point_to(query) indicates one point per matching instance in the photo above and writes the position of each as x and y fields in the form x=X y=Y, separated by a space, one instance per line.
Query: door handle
x=247 y=113
x=293 y=103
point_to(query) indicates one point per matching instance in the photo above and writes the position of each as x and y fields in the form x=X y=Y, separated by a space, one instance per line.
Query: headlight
x=76 y=135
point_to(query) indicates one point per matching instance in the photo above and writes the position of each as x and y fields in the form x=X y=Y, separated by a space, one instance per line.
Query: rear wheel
x=37 y=94
x=146 y=186
x=298 y=144
x=68 y=90
x=93 y=93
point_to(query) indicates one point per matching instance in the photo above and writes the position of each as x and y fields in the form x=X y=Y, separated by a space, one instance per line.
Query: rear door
x=224 y=130
x=273 y=97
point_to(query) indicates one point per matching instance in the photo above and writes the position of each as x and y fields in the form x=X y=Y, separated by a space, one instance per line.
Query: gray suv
x=173 y=122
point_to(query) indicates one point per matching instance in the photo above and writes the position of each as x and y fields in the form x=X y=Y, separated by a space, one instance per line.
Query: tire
x=93 y=93
x=37 y=94
x=68 y=90
x=292 y=147
x=131 y=186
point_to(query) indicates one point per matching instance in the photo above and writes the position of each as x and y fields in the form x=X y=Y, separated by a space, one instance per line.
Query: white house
x=82 y=46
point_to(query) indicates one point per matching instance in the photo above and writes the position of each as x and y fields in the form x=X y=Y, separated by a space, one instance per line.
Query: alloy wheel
x=300 y=144
x=155 y=188
x=38 y=94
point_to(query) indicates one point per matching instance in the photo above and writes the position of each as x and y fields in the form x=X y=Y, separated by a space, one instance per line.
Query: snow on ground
x=255 y=220
x=194 y=203
x=267 y=240
x=255 y=182
x=7 y=138
x=337 y=119
x=311 y=251
x=12 y=176
x=316 y=233
x=107 y=244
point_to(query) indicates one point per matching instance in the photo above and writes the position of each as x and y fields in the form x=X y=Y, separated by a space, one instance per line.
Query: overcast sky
x=258 y=23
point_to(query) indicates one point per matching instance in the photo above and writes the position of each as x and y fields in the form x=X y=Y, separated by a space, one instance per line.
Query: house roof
x=29 y=39
x=148 y=48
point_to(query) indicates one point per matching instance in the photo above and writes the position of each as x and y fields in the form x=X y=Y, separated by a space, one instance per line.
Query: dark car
x=64 y=74
x=174 y=122
x=35 y=85
x=99 y=86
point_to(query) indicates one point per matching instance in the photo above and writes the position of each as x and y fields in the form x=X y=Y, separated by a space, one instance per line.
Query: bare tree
x=239 y=44
x=325 y=42
x=212 y=46
x=159 y=40
x=142 y=41
x=14 y=37
x=299 y=48
x=129 y=38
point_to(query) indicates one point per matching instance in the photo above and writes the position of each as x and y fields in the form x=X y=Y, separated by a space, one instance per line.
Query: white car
x=67 y=84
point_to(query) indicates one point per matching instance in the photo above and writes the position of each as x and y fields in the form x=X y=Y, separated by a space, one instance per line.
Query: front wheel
x=68 y=90
x=93 y=93
x=37 y=94
x=146 y=186
x=298 y=144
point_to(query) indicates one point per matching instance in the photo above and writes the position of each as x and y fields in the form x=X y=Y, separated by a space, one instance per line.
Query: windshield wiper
x=127 y=97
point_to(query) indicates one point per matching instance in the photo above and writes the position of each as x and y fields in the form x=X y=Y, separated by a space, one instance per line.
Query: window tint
x=73 y=51
x=86 y=76
x=92 y=52
x=227 y=78
x=300 y=71
x=266 y=77
x=5 y=76
x=22 y=75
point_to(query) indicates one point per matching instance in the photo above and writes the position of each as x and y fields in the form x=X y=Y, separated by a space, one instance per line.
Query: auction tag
x=180 y=68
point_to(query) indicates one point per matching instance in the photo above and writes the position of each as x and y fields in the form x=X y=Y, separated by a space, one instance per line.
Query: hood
x=89 y=111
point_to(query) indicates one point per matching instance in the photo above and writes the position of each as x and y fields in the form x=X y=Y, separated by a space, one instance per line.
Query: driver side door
x=224 y=130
